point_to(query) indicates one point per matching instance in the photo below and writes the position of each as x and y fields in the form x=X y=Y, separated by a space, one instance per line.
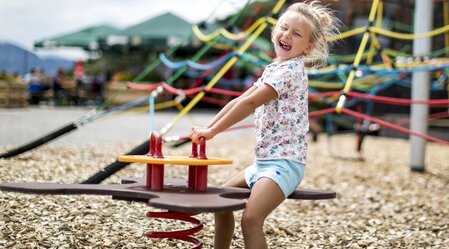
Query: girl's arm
x=242 y=108
x=229 y=106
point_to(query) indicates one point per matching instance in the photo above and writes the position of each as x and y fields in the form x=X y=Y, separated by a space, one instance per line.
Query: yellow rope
x=358 y=57
x=347 y=34
x=196 y=30
x=220 y=46
x=272 y=20
x=403 y=36
x=325 y=84
x=369 y=80
x=377 y=29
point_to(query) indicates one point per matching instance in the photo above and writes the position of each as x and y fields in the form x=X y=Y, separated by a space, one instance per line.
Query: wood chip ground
x=380 y=203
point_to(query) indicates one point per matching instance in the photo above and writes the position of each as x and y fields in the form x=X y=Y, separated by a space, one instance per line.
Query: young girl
x=279 y=102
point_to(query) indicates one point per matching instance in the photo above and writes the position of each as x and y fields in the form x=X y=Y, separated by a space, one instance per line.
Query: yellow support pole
x=180 y=107
x=278 y=6
x=358 y=57
x=446 y=23
x=374 y=41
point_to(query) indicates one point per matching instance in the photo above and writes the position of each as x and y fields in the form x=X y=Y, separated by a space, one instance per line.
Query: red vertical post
x=150 y=153
x=157 y=177
x=149 y=175
x=192 y=177
x=192 y=168
x=201 y=171
x=157 y=170
x=201 y=178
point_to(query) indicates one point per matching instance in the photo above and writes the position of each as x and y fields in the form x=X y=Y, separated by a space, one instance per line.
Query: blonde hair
x=323 y=24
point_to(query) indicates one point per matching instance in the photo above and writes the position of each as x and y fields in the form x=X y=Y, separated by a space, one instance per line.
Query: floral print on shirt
x=281 y=124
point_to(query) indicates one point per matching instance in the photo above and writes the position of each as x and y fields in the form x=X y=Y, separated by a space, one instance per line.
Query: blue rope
x=214 y=64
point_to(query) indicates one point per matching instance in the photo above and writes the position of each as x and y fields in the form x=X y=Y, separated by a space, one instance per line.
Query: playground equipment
x=183 y=199
x=176 y=195
x=354 y=77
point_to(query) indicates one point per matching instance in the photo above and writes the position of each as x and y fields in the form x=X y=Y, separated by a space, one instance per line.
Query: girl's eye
x=297 y=34
x=283 y=28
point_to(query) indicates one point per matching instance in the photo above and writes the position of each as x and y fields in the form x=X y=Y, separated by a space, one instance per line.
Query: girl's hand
x=197 y=132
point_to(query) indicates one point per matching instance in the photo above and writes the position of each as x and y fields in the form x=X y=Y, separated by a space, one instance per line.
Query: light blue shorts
x=287 y=174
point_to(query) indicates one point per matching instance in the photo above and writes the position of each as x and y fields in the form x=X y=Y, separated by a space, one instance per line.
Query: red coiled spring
x=184 y=235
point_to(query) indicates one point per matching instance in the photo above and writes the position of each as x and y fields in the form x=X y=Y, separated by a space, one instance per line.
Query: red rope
x=438 y=115
x=386 y=100
x=397 y=101
x=323 y=94
x=214 y=101
x=145 y=87
x=389 y=100
x=176 y=91
x=433 y=116
x=170 y=89
x=193 y=90
x=321 y=112
x=393 y=126
x=225 y=92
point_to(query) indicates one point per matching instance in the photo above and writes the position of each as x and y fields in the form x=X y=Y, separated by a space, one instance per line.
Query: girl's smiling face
x=291 y=36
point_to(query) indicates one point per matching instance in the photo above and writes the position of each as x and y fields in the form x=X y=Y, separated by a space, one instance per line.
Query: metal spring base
x=184 y=235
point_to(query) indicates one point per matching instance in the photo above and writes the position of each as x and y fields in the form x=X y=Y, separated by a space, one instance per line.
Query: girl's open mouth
x=284 y=46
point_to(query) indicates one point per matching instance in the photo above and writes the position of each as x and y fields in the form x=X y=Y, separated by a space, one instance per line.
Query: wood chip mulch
x=380 y=202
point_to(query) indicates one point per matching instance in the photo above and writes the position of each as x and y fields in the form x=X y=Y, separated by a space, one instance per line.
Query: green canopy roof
x=85 y=38
x=157 y=30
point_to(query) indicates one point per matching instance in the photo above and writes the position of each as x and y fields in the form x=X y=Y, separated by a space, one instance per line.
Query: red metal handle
x=202 y=154
x=194 y=150
x=152 y=144
x=158 y=151
x=202 y=148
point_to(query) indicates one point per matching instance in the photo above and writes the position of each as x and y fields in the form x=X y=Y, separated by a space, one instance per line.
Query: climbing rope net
x=350 y=84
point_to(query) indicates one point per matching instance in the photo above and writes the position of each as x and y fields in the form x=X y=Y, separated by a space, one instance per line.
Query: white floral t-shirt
x=281 y=124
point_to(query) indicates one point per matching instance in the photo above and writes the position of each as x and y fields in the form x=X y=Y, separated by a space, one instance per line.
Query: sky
x=23 y=22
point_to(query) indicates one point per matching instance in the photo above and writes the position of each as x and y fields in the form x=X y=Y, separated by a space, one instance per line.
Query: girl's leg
x=265 y=197
x=224 y=222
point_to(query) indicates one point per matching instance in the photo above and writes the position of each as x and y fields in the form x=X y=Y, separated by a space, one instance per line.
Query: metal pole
x=420 y=85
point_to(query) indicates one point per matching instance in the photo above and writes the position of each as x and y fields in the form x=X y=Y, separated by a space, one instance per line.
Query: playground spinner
x=183 y=199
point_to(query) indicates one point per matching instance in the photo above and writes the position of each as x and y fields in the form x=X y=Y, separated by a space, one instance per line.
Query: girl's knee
x=251 y=221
